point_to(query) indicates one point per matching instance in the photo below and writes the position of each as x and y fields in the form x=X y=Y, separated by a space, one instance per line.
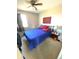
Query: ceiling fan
x=33 y=3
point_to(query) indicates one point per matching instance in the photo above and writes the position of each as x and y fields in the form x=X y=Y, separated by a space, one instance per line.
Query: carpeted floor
x=49 y=49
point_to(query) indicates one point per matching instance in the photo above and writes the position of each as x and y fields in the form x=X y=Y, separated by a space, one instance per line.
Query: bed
x=36 y=36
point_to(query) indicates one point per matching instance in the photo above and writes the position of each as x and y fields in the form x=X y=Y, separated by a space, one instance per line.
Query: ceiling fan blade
x=38 y=4
x=35 y=7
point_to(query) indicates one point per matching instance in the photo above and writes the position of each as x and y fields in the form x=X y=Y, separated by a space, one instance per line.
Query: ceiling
x=22 y=5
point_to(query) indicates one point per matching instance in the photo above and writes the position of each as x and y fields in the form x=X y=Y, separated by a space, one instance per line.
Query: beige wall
x=33 y=18
x=54 y=12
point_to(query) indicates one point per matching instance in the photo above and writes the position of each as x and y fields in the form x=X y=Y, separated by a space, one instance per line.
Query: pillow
x=46 y=30
x=44 y=27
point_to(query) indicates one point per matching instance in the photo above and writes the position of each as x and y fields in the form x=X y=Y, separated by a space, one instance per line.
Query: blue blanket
x=35 y=37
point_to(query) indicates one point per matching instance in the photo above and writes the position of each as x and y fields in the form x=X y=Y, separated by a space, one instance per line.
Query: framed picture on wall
x=47 y=20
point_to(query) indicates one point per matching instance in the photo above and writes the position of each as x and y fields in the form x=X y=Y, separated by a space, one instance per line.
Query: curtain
x=19 y=22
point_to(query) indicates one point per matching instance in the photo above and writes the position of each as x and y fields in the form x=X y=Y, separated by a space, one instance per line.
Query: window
x=24 y=20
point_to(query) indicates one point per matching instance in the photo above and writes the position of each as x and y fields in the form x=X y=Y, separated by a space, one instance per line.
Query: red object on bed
x=45 y=28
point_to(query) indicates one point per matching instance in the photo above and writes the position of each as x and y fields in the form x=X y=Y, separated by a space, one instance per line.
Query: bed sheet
x=36 y=36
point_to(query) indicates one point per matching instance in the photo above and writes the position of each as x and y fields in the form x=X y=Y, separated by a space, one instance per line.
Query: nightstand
x=54 y=36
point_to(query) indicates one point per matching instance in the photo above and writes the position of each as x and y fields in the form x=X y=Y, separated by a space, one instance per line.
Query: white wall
x=55 y=21
x=55 y=13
